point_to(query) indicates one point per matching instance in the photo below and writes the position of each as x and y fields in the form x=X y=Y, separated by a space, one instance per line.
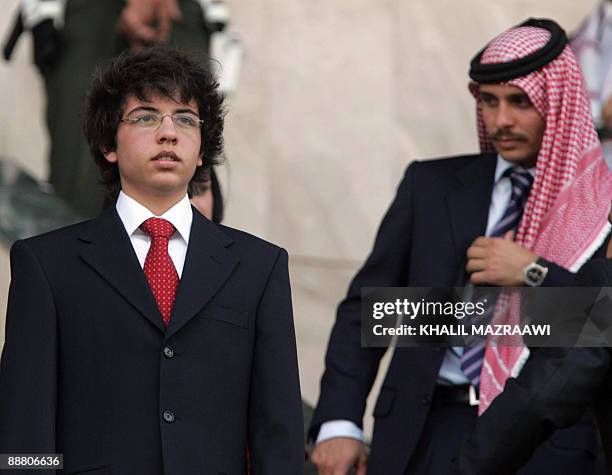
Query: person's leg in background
x=90 y=38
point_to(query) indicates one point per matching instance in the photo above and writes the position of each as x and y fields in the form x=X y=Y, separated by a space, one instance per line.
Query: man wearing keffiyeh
x=565 y=218
x=531 y=209
x=569 y=186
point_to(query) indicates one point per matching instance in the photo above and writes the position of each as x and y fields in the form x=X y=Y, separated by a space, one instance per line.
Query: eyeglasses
x=152 y=121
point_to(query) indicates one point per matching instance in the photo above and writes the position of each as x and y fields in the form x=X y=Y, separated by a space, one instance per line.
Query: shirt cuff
x=339 y=428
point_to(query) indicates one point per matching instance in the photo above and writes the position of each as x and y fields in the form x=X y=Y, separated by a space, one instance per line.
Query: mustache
x=166 y=154
x=505 y=135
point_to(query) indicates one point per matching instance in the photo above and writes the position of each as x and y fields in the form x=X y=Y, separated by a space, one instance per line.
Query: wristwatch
x=535 y=273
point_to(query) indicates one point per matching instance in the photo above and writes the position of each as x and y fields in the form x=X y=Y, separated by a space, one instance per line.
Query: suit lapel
x=108 y=250
x=468 y=204
x=208 y=264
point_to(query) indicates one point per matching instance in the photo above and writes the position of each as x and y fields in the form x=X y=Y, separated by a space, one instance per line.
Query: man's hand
x=145 y=22
x=606 y=113
x=498 y=261
x=338 y=455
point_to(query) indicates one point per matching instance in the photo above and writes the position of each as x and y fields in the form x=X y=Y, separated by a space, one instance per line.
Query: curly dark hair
x=157 y=70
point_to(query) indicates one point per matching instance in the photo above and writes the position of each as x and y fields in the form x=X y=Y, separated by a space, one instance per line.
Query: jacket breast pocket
x=226 y=314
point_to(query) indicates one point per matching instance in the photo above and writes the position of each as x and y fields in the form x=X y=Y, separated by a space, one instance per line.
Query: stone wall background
x=335 y=99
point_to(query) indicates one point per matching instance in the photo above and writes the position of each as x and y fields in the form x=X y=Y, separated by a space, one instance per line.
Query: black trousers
x=444 y=429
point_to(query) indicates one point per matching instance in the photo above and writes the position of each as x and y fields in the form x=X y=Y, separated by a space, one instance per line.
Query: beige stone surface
x=341 y=96
x=335 y=98
x=23 y=137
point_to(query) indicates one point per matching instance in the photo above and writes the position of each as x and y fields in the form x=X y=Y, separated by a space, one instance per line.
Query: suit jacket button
x=168 y=352
x=168 y=417
x=426 y=399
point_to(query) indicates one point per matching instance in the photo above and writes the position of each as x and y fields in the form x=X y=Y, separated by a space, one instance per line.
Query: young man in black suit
x=151 y=340
x=528 y=210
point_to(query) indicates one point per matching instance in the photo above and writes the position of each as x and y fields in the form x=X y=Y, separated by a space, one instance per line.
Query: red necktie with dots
x=158 y=266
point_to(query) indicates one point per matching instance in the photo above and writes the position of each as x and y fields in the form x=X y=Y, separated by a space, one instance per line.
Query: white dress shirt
x=450 y=371
x=133 y=214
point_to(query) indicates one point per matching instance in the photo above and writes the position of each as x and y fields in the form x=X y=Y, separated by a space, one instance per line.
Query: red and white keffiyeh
x=566 y=216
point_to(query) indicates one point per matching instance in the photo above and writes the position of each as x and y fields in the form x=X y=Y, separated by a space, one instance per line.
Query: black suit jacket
x=554 y=389
x=88 y=369
x=441 y=206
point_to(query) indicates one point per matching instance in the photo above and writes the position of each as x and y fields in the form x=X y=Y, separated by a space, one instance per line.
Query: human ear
x=110 y=156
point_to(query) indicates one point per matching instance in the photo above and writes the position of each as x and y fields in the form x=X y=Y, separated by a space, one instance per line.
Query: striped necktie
x=474 y=352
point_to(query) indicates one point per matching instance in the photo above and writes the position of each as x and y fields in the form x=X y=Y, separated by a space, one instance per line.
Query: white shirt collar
x=133 y=214
x=503 y=165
